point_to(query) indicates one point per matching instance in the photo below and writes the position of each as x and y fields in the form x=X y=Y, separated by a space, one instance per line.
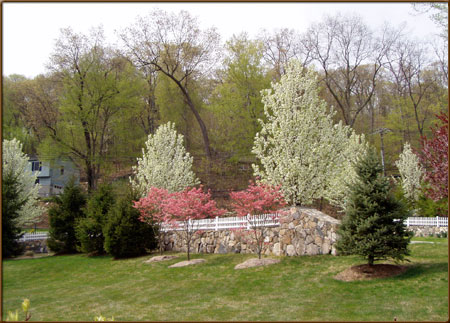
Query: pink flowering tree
x=151 y=207
x=185 y=207
x=258 y=203
x=434 y=156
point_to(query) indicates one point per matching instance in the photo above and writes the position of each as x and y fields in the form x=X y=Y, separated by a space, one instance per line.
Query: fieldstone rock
x=255 y=262
x=277 y=249
x=160 y=258
x=300 y=246
x=312 y=249
x=221 y=249
x=187 y=263
x=318 y=240
x=286 y=239
x=290 y=250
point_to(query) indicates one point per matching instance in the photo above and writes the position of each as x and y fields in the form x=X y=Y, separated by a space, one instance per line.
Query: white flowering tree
x=349 y=147
x=14 y=161
x=165 y=163
x=299 y=147
x=411 y=173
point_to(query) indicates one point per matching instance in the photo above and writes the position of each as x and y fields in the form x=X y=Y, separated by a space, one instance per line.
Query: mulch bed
x=366 y=272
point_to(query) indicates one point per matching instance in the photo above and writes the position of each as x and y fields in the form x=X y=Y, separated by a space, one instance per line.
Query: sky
x=30 y=29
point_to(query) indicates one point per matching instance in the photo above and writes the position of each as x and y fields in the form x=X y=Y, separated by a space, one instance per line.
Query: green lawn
x=299 y=288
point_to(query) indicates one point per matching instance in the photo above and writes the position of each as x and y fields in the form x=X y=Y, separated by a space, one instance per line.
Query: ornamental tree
x=349 y=148
x=165 y=163
x=258 y=203
x=182 y=208
x=373 y=225
x=411 y=173
x=15 y=163
x=434 y=157
x=299 y=147
x=152 y=212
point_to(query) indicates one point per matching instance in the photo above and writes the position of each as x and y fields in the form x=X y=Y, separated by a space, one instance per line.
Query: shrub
x=429 y=208
x=63 y=215
x=368 y=228
x=89 y=230
x=14 y=316
x=11 y=205
x=125 y=235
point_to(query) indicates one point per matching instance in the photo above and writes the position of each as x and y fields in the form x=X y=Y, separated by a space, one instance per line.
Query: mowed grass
x=77 y=288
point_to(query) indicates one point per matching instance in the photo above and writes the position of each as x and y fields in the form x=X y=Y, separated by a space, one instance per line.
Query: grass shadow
x=421 y=269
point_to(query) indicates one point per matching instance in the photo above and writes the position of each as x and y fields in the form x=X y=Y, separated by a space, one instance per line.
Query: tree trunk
x=196 y=114
x=188 y=247
x=371 y=260
x=90 y=174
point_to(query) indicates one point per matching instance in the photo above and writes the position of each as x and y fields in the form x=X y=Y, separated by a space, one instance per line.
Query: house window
x=36 y=166
x=62 y=170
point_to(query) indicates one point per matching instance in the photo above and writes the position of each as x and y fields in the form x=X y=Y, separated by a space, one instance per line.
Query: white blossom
x=16 y=162
x=411 y=173
x=349 y=147
x=165 y=163
x=299 y=146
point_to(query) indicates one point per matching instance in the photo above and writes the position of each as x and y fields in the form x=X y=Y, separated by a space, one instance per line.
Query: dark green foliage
x=368 y=228
x=11 y=204
x=428 y=207
x=125 y=235
x=63 y=216
x=89 y=230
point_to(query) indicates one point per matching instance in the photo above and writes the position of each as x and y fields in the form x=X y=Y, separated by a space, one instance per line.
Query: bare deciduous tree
x=410 y=67
x=280 y=46
x=351 y=58
x=175 y=46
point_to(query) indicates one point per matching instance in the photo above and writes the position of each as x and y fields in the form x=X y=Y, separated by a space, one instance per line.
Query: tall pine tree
x=369 y=229
x=12 y=202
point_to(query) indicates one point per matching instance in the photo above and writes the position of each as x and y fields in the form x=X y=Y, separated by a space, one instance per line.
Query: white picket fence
x=435 y=222
x=216 y=224
x=34 y=236
x=264 y=220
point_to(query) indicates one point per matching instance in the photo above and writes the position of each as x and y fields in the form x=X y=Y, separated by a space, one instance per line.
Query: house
x=54 y=175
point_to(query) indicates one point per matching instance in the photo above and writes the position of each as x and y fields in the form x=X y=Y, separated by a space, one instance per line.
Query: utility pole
x=382 y=131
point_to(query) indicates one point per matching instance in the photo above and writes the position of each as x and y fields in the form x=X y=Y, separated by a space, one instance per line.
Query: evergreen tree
x=369 y=229
x=89 y=230
x=125 y=235
x=63 y=216
x=11 y=205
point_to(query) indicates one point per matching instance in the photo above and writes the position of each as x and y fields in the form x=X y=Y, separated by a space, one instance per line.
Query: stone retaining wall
x=302 y=231
x=37 y=246
x=426 y=230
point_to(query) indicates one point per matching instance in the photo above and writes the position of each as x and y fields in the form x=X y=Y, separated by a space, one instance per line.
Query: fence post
x=217 y=223
x=437 y=221
x=248 y=222
x=407 y=222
